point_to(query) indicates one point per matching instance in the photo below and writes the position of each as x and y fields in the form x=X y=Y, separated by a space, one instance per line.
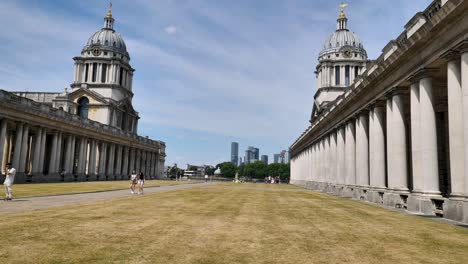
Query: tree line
x=256 y=170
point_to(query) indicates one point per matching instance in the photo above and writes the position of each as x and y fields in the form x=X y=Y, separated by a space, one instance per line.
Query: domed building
x=342 y=59
x=84 y=134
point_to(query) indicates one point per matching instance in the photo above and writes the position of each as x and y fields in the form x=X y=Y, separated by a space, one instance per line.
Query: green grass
x=43 y=189
x=227 y=223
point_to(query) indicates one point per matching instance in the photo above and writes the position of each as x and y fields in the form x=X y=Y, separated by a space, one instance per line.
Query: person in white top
x=206 y=177
x=8 y=183
x=133 y=178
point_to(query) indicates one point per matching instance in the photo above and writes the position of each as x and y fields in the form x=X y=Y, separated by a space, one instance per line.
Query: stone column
x=464 y=85
x=3 y=136
x=80 y=171
x=43 y=150
x=125 y=174
x=341 y=165
x=17 y=149
x=37 y=152
x=362 y=150
x=110 y=164
x=138 y=161
x=428 y=141
x=415 y=134
x=92 y=161
x=23 y=156
x=59 y=153
x=132 y=166
x=333 y=156
x=377 y=148
x=456 y=137
x=398 y=180
x=102 y=161
x=53 y=157
x=118 y=163
x=350 y=150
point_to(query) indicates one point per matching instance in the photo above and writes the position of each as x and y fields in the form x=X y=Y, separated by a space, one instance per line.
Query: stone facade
x=398 y=134
x=87 y=134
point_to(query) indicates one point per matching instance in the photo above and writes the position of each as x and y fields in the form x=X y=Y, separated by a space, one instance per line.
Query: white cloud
x=171 y=30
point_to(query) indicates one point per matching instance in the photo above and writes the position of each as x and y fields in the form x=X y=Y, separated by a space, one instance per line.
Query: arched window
x=83 y=107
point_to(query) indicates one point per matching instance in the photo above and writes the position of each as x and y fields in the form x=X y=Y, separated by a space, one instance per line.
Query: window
x=356 y=71
x=83 y=107
x=337 y=75
x=121 y=76
x=94 y=72
x=86 y=72
x=104 y=73
x=114 y=44
x=347 y=74
x=106 y=43
x=337 y=55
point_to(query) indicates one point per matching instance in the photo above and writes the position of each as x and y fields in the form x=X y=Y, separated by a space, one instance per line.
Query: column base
x=69 y=177
x=21 y=177
x=92 y=177
x=376 y=196
x=428 y=205
x=360 y=193
x=456 y=209
x=348 y=191
x=396 y=199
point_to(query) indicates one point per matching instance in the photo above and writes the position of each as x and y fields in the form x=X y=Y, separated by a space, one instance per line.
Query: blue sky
x=208 y=72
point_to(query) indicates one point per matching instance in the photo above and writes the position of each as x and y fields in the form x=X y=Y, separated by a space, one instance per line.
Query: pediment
x=94 y=97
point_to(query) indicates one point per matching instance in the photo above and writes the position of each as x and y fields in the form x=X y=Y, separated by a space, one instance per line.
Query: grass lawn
x=42 y=189
x=227 y=223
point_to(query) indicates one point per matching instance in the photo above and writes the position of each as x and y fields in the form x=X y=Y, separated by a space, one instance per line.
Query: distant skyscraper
x=265 y=159
x=248 y=156
x=234 y=153
x=287 y=158
x=256 y=154
x=276 y=158
x=240 y=161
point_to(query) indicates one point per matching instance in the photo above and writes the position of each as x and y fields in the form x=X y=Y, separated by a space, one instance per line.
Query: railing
x=433 y=9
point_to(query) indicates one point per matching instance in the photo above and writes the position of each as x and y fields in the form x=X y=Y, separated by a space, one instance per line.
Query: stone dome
x=341 y=38
x=107 y=39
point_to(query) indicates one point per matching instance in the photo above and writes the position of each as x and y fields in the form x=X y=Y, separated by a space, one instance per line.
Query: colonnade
x=393 y=150
x=41 y=154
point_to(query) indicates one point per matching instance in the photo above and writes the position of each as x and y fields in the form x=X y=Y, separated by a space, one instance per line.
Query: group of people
x=137 y=180
x=272 y=180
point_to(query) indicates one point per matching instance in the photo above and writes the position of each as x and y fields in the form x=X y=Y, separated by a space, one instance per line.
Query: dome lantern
x=342 y=19
x=109 y=20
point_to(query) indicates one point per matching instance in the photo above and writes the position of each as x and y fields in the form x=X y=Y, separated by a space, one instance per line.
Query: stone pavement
x=35 y=203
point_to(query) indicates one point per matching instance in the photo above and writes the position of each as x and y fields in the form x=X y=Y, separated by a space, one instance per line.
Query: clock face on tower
x=347 y=53
x=96 y=52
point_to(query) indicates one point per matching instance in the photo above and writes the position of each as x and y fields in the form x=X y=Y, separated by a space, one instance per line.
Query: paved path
x=35 y=203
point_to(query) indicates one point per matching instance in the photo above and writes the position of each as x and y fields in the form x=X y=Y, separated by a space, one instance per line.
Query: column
x=17 y=150
x=53 y=154
x=456 y=136
x=68 y=150
x=428 y=139
x=333 y=157
x=138 y=161
x=362 y=150
x=341 y=165
x=118 y=163
x=464 y=85
x=132 y=166
x=102 y=161
x=415 y=134
x=81 y=159
x=377 y=147
x=92 y=161
x=37 y=151
x=350 y=150
x=342 y=77
x=43 y=150
x=125 y=174
x=3 y=136
x=24 y=150
x=398 y=180
x=59 y=153
x=110 y=161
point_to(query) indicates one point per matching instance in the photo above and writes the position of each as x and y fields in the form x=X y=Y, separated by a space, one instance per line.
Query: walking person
x=206 y=177
x=141 y=181
x=133 y=179
x=8 y=183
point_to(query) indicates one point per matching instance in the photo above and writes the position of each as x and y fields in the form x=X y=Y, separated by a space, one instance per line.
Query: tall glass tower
x=235 y=153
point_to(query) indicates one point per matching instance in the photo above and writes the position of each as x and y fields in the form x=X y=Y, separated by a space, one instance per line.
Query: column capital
x=422 y=74
x=451 y=55
x=377 y=104
x=397 y=90
x=462 y=47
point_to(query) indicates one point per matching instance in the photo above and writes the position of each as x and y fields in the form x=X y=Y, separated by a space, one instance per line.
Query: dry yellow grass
x=42 y=189
x=228 y=223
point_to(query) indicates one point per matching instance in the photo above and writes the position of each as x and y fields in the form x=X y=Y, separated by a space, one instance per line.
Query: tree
x=227 y=169
x=258 y=170
x=210 y=171
x=193 y=168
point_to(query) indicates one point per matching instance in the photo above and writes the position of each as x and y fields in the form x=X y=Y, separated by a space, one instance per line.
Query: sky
x=208 y=72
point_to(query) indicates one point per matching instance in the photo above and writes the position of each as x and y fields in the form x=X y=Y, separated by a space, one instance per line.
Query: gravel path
x=35 y=203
